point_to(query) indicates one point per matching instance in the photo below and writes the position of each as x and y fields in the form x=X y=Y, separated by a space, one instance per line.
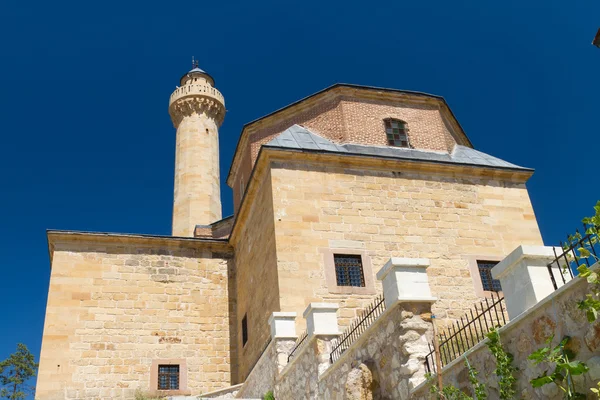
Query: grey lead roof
x=197 y=70
x=297 y=137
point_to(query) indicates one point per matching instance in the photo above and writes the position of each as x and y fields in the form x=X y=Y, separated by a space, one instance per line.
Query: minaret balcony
x=195 y=90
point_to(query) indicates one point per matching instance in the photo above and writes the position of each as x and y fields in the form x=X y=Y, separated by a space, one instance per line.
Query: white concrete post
x=405 y=279
x=321 y=319
x=525 y=279
x=283 y=325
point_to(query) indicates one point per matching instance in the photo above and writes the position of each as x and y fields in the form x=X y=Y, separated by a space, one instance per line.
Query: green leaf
x=583 y=270
x=592 y=315
x=583 y=252
x=539 y=355
x=541 y=381
x=576 y=367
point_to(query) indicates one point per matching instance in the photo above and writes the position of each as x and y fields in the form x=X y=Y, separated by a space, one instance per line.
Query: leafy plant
x=591 y=303
x=505 y=371
x=478 y=387
x=269 y=395
x=15 y=371
x=564 y=368
x=450 y=392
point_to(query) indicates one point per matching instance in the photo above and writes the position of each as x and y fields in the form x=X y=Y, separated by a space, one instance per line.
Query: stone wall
x=118 y=303
x=299 y=379
x=556 y=315
x=257 y=289
x=386 y=361
x=451 y=219
x=262 y=377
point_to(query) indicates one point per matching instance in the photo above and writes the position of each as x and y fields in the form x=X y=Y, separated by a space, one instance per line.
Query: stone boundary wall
x=298 y=380
x=556 y=314
x=262 y=377
x=386 y=360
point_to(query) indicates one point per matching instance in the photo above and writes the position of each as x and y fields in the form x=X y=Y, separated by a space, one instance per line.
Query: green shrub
x=269 y=395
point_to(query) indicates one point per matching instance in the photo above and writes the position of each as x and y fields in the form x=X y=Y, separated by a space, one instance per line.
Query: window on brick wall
x=349 y=270
x=245 y=329
x=168 y=377
x=485 y=272
x=396 y=132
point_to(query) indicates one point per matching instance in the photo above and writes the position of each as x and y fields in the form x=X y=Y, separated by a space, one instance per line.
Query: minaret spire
x=197 y=110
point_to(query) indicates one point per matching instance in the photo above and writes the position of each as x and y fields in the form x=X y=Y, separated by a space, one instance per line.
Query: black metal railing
x=465 y=333
x=566 y=262
x=357 y=327
x=299 y=342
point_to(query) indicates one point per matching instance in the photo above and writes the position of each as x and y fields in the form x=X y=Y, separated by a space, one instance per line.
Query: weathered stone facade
x=119 y=303
x=257 y=288
x=321 y=208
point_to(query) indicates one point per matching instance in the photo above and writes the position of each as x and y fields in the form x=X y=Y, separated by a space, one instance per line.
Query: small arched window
x=396 y=132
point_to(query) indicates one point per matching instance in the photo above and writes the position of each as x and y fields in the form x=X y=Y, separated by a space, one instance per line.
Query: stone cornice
x=351 y=160
x=103 y=239
x=189 y=99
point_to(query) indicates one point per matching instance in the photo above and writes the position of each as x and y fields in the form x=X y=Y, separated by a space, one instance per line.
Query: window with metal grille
x=168 y=377
x=244 y=329
x=348 y=270
x=485 y=272
x=396 y=132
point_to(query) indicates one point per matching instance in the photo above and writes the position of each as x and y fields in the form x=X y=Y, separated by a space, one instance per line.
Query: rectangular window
x=485 y=272
x=396 y=133
x=349 y=270
x=168 y=377
x=244 y=330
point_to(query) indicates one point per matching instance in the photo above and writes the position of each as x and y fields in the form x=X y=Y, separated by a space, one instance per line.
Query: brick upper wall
x=343 y=118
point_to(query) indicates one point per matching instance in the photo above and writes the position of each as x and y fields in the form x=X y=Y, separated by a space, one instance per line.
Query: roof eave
x=407 y=159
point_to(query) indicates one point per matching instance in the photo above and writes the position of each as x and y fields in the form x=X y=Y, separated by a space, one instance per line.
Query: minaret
x=197 y=110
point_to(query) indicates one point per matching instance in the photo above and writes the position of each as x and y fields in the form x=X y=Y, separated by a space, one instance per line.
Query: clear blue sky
x=87 y=143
